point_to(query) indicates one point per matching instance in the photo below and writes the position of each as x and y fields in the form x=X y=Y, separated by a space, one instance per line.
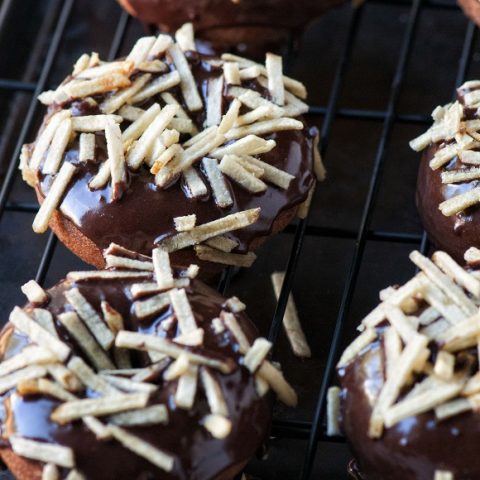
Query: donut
x=248 y=26
x=409 y=396
x=172 y=148
x=134 y=372
x=447 y=192
x=471 y=8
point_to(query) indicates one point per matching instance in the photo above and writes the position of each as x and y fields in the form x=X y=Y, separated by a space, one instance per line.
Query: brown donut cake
x=471 y=9
x=134 y=372
x=448 y=193
x=251 y=26
x=174 y=149
x=410 y=382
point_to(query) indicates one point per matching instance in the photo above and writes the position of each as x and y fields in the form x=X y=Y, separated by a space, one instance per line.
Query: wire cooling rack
x=361 y=223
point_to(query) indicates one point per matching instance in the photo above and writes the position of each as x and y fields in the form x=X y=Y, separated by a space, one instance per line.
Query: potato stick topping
x=425 y=327
x=126 y=90
x=43 y=452
x=86 y=312
x=108 y=396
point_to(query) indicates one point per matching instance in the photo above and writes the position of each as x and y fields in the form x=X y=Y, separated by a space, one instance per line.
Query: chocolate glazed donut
x=453 y=230
x=192 y=450
x=409 y=383
x=138 y=212
x=249 y=26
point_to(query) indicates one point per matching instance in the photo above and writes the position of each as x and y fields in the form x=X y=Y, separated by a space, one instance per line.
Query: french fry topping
x=146 y=108
x=95 y=382
x=425 y=328
x=457 y=138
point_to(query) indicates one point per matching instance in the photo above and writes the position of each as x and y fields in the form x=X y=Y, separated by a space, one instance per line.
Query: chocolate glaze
x=197 y=454
x=456 y=233
x=144 y=215
x=415 y=447
x=221 y=22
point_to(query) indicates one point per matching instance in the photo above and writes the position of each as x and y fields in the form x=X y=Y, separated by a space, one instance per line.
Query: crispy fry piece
x=45 y=319
x=274 y=67
x=93 y=123
x=85 y=88
x=185 y=37
x=42 y=451
x=214 y=101
x=460 y=202
x=333 y=411
x=116 y=158
x=257 y=354
x=183 y=310
x=152 y=305
x=53 y=198
x=265 y=127
x=139 y=151
x=141 y=341
x=219 y=426
x=85 y=340
x=46 y=136
x=220 y=190
x=160 y=46
x=64 y=377
x=177 y=368
x=50 y=472
x=34 y=292
x=395 y=382
x=231 y=73
x=113 y=103
x=86 y=312
x=213 y=391
x=142 y=448
x=291 y=322
x=140 y=50
x=102 y=176
x=230 y=167
x=105 y=275
x=187 y=82
x=57 y=147
x=185 y=223
x=87 y=147
x=278 y=384
x=222 y=243
x=236 y=259
x=162 y=268
x=97 y=407
x=194 y=183
x=187 y=388
x=30 y=355
x=89 y=378
x=145 y=416
x=211 y=229
x=249 y=145
x=232 y=324
x=457 y=273
x=37 y=334
x=140 y=124
x=28 y=373
x=160 y=84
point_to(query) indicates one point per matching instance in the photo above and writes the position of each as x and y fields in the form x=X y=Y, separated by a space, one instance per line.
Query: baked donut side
x=447 y=194
x=134 y=371
x=168 y=144
x=252 y=26
x=409 y=383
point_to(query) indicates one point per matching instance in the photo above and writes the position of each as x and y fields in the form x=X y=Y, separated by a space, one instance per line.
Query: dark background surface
x=337 y=209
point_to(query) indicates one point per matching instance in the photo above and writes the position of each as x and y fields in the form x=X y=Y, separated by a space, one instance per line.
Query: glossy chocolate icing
x=144 y=215
x=197 y=454
x=456 y=233
x=415 y=447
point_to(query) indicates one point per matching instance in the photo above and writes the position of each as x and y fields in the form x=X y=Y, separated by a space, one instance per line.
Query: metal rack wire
x=312 y=431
